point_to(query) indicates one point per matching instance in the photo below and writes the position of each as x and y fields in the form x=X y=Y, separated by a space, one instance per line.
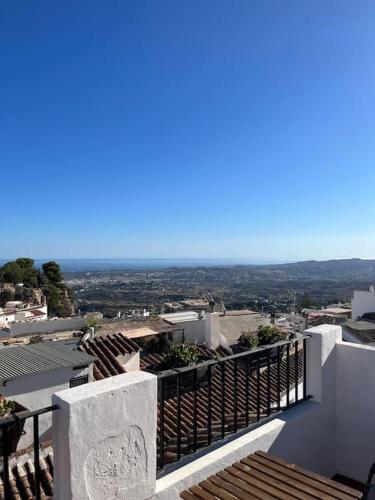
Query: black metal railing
x=11 y=429
x=201 y=405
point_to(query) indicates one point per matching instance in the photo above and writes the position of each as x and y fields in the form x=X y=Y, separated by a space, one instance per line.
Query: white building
x=16 y=311
x=363 y=302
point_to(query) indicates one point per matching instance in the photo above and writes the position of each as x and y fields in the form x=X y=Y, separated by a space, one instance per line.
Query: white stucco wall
x=105 y=439
x=35 y=392
x=355 y=409
x=362 y=302
x=50 y=325
x=193 y=330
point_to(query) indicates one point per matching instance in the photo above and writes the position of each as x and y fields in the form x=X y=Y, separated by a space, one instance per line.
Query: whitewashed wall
x=362 y=302
x=355 y=409
x=35 y=392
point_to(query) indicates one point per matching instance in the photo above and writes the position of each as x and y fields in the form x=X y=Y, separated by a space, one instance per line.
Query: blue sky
x=187 y=129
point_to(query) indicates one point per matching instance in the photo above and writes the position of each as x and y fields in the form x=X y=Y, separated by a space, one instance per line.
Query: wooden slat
x=259 y=483
x=265 y=477
x=329 y=482
x=308 y=482
x=215 y=490
x=199 y=492
x=273 y=482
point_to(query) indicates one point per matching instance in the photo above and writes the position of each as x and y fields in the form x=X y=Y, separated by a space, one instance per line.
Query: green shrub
x=6 y=406
x=270 y=334
x=180 y=355
x=248 y=339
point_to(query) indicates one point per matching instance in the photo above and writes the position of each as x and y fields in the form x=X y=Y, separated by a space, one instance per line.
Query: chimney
x=372 y=288
x=273 y=318
x=212 y=330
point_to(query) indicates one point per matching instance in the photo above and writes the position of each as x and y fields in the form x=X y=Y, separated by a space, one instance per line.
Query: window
x=75 y=382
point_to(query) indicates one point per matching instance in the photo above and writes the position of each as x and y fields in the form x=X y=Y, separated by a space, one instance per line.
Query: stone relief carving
x=116 y=466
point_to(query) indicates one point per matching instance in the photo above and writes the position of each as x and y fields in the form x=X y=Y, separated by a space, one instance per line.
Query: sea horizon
x=115 y=264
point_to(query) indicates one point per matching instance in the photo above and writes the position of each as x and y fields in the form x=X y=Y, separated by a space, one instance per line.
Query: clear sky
x=187 y=128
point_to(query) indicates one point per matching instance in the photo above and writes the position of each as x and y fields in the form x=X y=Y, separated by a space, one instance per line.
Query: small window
x=75 y=382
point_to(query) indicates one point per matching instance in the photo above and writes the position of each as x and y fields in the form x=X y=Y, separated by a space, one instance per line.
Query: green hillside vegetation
x=29 y=283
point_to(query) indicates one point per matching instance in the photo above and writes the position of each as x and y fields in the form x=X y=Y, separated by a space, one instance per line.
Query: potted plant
x=248 y=340
x=14 y=429
x=270 y=334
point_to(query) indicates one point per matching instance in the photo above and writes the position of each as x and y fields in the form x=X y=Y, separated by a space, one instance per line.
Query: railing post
x=36 y=457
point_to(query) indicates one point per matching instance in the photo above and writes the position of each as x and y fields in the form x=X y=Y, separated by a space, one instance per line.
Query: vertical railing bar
x=247 y=389
x=223 y=399
x=278 y=379
x=5 y=438
x=161 y=435
x=258 y=385
x=304 y=369
x=209 y=405
x=195 y=411
x=268 y=381
x=235 y=395
x=296 y=370
x=287 y=375
x=178 y=380
x=36 y=457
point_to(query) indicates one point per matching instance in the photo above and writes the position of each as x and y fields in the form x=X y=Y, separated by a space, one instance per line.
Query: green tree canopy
x=52 y=272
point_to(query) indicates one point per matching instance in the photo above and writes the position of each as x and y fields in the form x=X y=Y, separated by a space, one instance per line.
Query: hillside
x=267 y=287
x=20 y=280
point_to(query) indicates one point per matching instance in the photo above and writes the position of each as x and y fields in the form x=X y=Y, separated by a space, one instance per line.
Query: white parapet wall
x=104 y=439
x=355 y=410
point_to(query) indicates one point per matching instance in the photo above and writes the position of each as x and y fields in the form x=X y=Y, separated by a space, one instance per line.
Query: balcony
x=309 y=402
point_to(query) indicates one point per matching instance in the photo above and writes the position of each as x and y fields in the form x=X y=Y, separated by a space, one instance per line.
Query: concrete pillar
x=212 y=330
x=321 y=361
x=104 y=439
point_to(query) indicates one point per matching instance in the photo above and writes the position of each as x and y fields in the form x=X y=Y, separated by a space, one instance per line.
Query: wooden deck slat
x=272 y=489
x=300 y=495
x=200 y=493
x=249 y=489
x=265 y=477
x=233 y=490
x=215 y=490
x=312 y=475
x=307 y=481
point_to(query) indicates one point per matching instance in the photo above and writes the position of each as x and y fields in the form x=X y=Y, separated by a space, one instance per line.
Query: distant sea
x=91 y=265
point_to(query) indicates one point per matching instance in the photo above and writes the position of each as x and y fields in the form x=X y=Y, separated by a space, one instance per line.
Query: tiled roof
x=262 y=475
x=220 y=393
x=106 y=349
x=22 y=477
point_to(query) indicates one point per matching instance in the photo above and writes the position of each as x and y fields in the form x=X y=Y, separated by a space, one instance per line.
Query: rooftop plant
x=248 y=339
x=180 y=355
x=7 y=406
x=270 y=334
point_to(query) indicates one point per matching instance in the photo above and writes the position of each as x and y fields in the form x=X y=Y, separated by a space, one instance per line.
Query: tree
x=13 y=273
x=52 y=272
x=306 y=301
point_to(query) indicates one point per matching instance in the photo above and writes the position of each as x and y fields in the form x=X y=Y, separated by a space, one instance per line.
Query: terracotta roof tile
x=106 y=349
x=22 y=477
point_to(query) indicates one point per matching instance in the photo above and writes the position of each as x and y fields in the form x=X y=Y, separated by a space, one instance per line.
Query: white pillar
x=104 y=439
x=212 y=330
x=321 y=361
